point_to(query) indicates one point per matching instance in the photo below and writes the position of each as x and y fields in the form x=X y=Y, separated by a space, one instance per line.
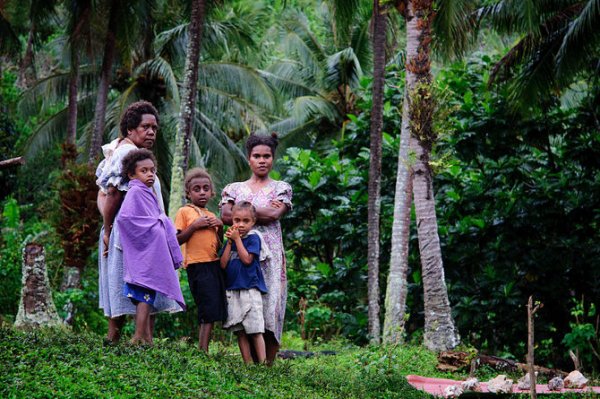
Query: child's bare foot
x=137 y=341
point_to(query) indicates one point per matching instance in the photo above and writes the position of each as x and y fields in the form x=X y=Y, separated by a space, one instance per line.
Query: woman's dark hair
x=255 y=139
x=132 y=117
x=197 y=173
x=244 y=205
x=130 y=161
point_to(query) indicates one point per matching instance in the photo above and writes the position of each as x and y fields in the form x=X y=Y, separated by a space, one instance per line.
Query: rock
x=500 y=384
x=556 y=384
x=453 y=391
x=575 y=380
x=472 y=384
x=524 y=382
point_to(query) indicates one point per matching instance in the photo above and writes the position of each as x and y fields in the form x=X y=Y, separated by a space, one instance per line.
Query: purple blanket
x=150 y=249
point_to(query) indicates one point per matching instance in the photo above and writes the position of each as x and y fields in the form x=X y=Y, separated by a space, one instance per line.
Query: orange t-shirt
x=203 y=245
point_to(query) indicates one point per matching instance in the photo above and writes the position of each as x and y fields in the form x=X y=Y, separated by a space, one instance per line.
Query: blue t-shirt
x=244 y=277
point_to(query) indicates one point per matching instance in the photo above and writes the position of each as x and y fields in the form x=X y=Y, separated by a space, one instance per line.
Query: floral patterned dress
x=274 y=268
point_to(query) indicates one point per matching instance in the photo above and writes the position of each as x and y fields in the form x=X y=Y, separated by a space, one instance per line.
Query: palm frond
x=239 y=80
x=52 y=131
x=53 y=89
x=221 y=155
x=171 y=44
x=298 y=42
x=530 y=46
x=283 y=76
x=509 y=16
x=343 y=69
x=454 y=27
x=160 y=68
x=294 y=132
x=230 y=112
x=344 y=15
x=362 y=45
x=536 y=78
x=235 y=28
x=581 y=40
x=309 y=107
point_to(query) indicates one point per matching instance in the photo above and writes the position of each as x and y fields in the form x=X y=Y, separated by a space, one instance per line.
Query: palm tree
x=374 y=203
x=558 y=41
x=79 y=31
x=244 y=93
x=452 y=24
x=105 y=75
x=319 y=79
x=188 y=107
x=40 y=12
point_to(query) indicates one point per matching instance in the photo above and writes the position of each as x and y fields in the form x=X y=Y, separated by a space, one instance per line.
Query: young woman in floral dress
x=272 y=199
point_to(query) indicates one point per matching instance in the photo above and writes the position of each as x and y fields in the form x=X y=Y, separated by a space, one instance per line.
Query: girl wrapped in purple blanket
x=151 y=252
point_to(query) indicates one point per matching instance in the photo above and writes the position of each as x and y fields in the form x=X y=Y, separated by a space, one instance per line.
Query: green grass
x=61 y=364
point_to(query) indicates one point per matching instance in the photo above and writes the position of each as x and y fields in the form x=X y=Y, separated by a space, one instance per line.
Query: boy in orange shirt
x=200 y=233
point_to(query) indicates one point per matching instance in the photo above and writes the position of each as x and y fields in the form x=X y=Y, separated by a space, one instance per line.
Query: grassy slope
x=62 y=364
x=59 y=364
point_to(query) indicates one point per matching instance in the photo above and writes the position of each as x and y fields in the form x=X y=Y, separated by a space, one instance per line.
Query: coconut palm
x=40 y=13
x=118 y=25
x=235 y=97
x=558 y=41
x=318 y=80
x=188 y=107
x=374 y=205
x=452 y=24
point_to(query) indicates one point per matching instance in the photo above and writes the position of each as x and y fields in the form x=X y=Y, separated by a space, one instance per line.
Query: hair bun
x=274 y=135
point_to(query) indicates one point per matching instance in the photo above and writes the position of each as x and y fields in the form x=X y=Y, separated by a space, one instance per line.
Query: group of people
x=241 y=282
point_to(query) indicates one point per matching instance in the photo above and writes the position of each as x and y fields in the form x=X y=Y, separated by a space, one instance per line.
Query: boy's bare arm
x=226 y=255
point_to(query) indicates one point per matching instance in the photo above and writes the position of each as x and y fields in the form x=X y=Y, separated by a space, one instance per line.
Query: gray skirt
x=110 y=282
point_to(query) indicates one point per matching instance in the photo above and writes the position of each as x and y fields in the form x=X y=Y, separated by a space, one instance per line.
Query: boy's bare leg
x=143 y=332
x=115 y=325
x=258 y=342
x=152 y=320
x=204 y=336
x=244 y=346
x=271 y=347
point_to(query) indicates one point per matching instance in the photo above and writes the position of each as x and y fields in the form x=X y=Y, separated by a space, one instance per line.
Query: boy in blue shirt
x=244 y=283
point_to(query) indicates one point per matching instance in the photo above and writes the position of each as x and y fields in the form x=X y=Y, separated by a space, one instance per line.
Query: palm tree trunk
x=397 y=287
x=103 y=86
x=440 y=333
x=188 y=107
x=73 y=87
x=374 y=204
x=27 y=73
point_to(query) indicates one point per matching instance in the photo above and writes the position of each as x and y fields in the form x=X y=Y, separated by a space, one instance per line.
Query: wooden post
x=36 y=308
x=12 y=161
x=530 y=348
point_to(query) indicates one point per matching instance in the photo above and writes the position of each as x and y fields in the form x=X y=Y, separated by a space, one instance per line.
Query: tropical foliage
x=513 y=153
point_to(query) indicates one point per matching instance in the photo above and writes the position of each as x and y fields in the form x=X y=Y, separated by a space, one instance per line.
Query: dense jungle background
x=515 y=154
